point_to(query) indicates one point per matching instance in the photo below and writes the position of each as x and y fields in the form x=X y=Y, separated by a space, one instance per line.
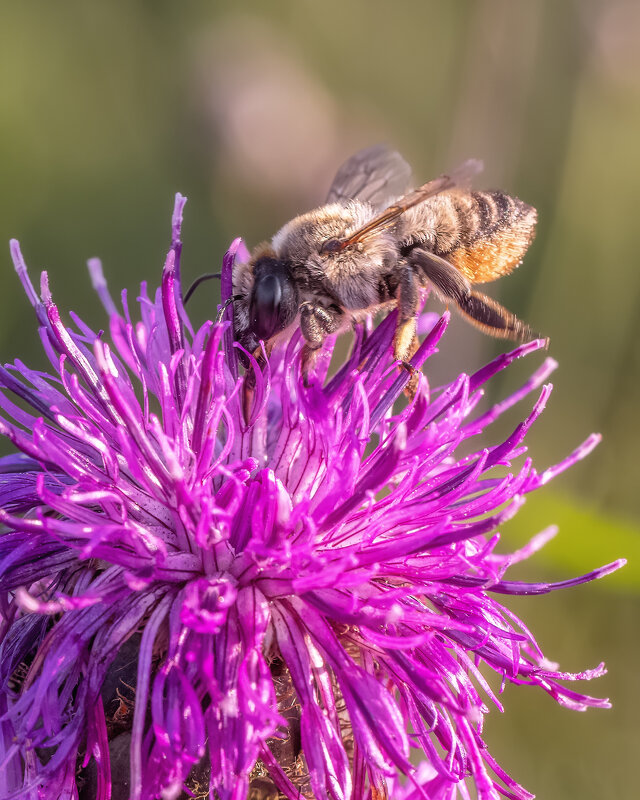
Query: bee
x=374 y=245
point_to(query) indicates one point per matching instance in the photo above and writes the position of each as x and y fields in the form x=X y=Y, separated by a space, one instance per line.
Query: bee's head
x=273 y=304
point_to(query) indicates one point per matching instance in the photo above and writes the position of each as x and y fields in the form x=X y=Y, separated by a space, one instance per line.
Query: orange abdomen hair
x=494 y=232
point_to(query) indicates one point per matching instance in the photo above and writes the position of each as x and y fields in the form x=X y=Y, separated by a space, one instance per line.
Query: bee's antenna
x=197 y=283
x=226 y=305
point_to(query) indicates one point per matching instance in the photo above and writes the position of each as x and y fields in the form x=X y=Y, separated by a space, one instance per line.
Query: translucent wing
x=376 y=175
x=459 y=177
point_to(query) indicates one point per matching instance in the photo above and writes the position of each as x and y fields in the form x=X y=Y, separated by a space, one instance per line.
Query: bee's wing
x=375 y=175
x=458 y=177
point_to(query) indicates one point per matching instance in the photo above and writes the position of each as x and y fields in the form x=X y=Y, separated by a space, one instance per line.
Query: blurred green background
x=109 y=108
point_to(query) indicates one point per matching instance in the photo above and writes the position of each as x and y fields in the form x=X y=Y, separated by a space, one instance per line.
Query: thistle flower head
x=311 y=592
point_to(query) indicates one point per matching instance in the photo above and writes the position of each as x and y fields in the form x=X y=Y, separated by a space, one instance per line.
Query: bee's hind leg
x=482 y=311
x=494 y=319
x=405 y=341
x=316 y=323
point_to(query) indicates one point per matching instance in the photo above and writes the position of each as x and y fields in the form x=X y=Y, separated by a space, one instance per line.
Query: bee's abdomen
x=492 y=232
x=491 y=212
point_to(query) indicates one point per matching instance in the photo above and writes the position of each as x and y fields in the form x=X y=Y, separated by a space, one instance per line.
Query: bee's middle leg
x=316 y=323
x=405 y=342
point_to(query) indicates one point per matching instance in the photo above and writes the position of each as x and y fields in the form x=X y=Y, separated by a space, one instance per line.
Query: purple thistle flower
x=310 y=595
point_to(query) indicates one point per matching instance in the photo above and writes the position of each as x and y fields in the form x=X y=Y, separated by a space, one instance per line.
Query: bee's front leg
x=316 y=323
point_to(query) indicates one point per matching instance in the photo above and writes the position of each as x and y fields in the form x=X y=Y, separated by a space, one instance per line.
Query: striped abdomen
x=483 y=234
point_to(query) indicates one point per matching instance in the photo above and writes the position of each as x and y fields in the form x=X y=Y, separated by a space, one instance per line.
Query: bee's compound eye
x=274 y=299
x=331 y=246
x=265 y=306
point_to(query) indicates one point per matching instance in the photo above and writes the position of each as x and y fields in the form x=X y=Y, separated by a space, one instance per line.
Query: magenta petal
x=322 y=575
